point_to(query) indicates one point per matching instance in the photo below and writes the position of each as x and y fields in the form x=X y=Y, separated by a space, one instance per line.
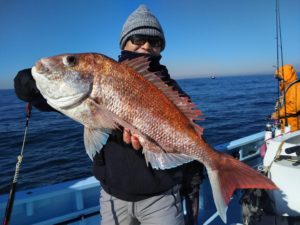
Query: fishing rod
x=280 y=58
x=11 y=197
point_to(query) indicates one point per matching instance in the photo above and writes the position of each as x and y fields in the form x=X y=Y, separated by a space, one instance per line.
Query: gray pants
x=164 y=209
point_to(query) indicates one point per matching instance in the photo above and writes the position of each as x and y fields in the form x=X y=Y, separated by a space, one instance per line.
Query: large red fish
x=103 y=94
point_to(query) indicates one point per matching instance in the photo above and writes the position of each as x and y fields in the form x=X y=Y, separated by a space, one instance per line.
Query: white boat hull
x=285 y=173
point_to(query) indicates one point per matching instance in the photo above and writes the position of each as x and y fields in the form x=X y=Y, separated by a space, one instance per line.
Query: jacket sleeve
x=292 y=100
x=297 y=97
x=26 y=90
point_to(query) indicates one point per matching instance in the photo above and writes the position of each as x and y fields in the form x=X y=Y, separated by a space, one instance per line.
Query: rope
x=277 y=156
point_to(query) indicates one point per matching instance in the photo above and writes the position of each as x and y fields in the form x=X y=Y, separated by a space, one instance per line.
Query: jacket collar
x=131 y=55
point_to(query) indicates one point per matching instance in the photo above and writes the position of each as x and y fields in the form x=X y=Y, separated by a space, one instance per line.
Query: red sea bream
x=103 y=94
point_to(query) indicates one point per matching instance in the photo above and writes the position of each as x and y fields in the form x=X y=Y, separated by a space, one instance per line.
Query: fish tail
x=226 y=174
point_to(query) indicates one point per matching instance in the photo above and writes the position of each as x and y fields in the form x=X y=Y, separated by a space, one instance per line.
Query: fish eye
x=69 y=60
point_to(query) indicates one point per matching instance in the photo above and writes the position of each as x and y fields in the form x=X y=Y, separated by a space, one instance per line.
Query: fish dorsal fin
x=188 y=108
x=139 y=64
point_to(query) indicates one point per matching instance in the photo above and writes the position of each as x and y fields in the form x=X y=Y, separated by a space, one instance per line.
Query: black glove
x=25 y=87
x=26 y=90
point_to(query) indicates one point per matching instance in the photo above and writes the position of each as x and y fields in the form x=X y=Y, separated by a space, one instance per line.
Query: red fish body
x=103 y=94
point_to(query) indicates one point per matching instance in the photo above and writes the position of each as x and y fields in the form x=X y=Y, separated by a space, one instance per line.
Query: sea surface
x=233 y=107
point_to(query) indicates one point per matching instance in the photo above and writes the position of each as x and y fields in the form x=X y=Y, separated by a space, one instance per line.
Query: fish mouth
x=41 y=66
x=35 y=71
x=61 y=93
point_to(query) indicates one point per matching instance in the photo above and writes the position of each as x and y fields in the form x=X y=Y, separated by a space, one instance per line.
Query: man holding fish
x=132 y=191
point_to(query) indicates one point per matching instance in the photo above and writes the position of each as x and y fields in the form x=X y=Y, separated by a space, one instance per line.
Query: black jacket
x=121 y=170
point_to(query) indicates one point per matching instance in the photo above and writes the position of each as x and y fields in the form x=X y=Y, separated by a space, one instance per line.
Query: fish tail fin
x=226 y=174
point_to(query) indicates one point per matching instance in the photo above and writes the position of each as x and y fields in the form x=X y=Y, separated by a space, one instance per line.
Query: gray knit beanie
x=143 y=22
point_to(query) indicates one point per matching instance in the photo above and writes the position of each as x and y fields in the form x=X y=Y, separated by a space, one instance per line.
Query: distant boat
x=212 y=77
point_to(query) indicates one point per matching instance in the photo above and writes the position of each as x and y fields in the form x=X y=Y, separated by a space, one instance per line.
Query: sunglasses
x=154 y=41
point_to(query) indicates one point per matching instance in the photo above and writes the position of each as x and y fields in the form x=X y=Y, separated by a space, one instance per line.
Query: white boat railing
x=247 y=146
x=55 y=203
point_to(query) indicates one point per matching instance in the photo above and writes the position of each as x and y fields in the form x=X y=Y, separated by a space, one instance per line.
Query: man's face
x=144 y=44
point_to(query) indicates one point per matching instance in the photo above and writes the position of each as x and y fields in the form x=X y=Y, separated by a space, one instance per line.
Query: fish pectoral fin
x=162 y=160
x=94 y=140
x=158 y=157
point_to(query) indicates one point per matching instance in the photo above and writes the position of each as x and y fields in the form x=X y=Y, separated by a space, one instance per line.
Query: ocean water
x=233 y=107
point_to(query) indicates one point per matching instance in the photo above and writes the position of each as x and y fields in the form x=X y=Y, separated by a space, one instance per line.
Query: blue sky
x=222 y=37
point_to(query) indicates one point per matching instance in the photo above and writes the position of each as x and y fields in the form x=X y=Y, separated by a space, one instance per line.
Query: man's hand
x=128 y=138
